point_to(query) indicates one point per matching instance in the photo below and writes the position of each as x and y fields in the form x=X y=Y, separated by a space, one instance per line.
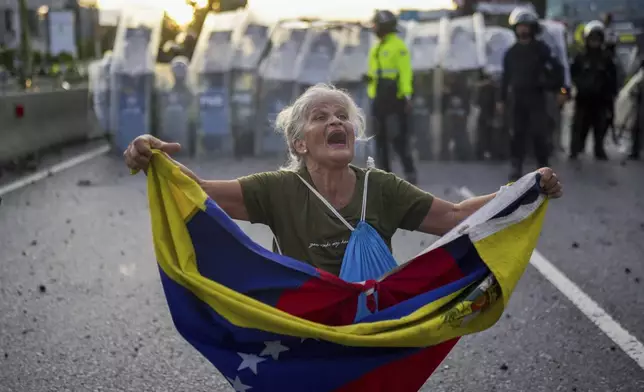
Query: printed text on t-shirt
x=334 y=244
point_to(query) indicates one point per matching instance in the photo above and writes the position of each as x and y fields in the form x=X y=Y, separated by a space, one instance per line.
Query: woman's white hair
x=292 y=119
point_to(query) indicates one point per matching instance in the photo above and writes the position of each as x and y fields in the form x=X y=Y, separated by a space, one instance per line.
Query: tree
x=215 y=6
x=25 y=44
x=169 y=31
x=189 y=42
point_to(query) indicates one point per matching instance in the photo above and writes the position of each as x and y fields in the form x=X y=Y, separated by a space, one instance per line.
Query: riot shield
x=313 y=63
x=497 y=13
x=210 y=83
x=492 y=130
x=99 y=94
x=347 y=69
x=132 y=74
x=497 y=42
x=462 y=43
x=248 y=51
x=277 y=84
x=626 y=109
x=422 y=41
x=462 y=57
x=422 y=15
x=631 y=59
x=403 y=28
x=554 y=35
x=351 y=60
x=175 y=102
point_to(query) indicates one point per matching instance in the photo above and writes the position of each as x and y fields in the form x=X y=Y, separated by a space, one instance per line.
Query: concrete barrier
x=35 y=121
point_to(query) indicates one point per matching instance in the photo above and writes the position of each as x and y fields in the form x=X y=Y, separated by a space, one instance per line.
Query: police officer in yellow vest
x=390 y=89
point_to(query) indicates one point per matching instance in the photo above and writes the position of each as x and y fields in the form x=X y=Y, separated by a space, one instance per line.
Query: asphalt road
x=82 y=309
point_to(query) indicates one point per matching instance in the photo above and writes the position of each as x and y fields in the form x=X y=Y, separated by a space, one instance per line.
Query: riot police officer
x=529 y=71
x=594 y=75
x=390 y=89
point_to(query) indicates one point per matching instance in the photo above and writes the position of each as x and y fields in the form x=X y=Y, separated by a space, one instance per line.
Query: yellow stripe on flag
x=173 y=197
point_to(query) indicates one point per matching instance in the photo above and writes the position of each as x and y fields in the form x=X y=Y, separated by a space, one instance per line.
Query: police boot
x=600 y=155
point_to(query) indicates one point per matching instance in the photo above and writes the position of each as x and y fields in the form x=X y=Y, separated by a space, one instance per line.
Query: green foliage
x=7 y=57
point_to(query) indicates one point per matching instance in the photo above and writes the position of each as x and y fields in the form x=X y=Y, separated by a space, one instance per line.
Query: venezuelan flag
x=271 y=323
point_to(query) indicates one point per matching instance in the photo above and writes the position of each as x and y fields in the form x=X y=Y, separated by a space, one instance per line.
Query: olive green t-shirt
x=308 y=231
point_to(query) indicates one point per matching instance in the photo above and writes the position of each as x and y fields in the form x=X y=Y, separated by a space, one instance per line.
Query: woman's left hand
x=549 y=183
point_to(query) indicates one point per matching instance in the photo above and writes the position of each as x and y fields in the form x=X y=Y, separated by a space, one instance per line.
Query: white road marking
x=627 y=342
x=30 y=179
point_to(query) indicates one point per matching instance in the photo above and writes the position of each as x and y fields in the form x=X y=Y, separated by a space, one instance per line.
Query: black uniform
x=594 y=75
x=529 y=70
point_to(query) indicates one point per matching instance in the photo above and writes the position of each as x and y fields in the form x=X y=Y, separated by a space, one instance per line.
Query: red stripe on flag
x=318 y=300
x=335 y=303
x=427 y=272
x=404 y=375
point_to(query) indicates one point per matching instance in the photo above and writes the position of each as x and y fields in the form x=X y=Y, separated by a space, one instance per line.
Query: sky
x=177 y=9
x=361 y=9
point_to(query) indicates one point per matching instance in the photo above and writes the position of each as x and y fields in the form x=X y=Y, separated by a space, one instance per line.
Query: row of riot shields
x=245 y=70
x=132 y=74
x=458 y=64
x=300 y=56
x=447 y=56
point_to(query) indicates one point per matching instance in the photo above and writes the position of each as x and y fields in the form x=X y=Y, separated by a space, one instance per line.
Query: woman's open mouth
x=337 y=139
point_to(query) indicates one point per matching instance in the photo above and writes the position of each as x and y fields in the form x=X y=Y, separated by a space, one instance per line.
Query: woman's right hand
x=138 y=153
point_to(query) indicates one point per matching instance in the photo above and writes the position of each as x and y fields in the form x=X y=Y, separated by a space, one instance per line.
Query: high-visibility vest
x=579 y=34
x=390 y=59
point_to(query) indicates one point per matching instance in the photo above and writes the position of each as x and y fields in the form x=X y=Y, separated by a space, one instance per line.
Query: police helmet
x=595 y=28
x=385 y=20
x=524 y=15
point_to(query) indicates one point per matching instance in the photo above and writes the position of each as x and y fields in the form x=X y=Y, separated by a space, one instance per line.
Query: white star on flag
x=238 y=385
x=249 y=361
x=273 y=349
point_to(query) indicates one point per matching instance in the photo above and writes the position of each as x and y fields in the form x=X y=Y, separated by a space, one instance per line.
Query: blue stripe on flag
x=411 y=305
x=225 y=254
x=464 y=254
x=270 y=362
x=529 y=197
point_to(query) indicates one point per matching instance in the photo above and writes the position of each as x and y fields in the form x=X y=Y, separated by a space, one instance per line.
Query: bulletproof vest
x=532 y=68
x=593 y=74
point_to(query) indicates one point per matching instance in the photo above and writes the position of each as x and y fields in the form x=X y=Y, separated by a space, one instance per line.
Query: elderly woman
x=314 y=204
